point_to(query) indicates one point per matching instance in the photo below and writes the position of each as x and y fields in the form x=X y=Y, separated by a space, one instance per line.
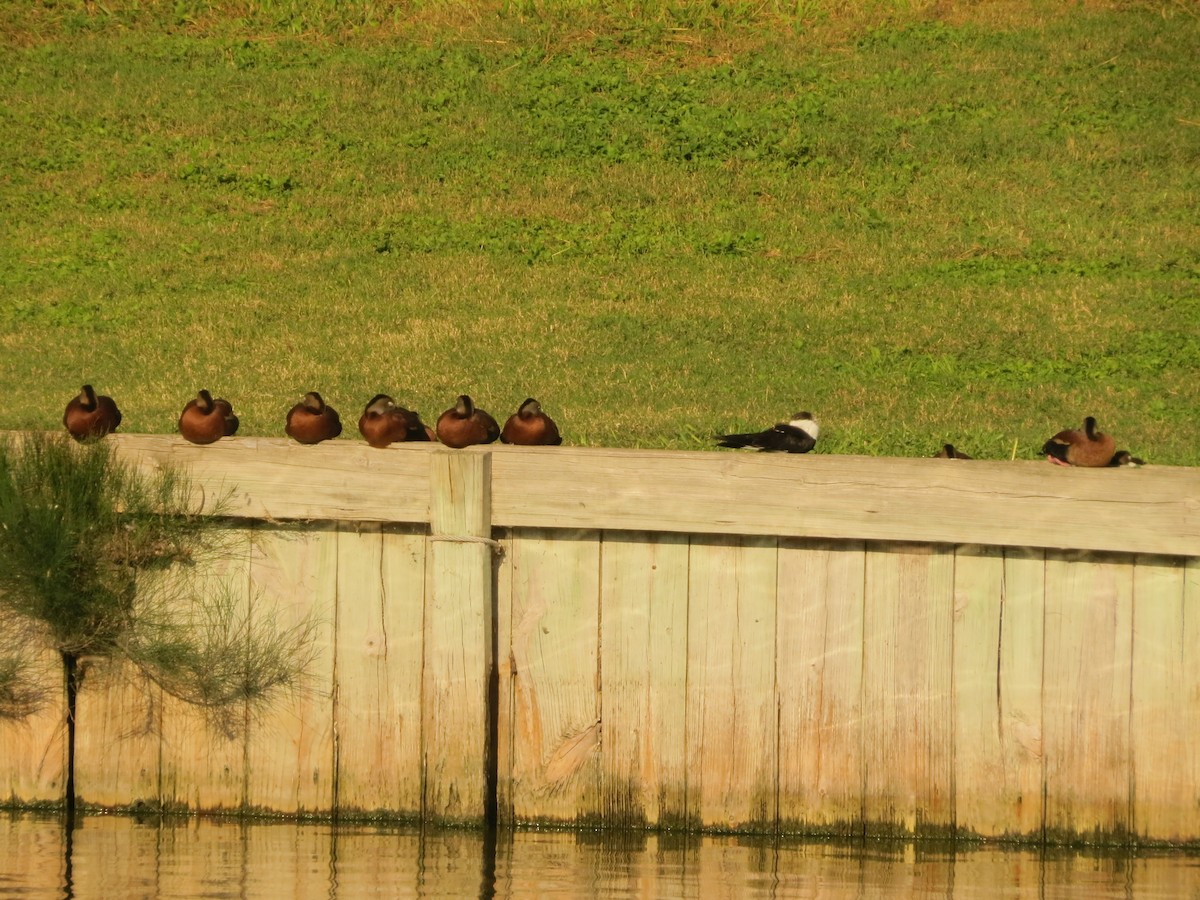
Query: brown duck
x=1086 y=447
x=310 y=421
x=90 y=415
x=463 y=425
x=384 y=422
x=530 y=426
x=205 y=420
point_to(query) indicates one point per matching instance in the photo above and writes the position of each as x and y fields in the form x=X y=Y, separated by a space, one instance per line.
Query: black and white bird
x=797 y=435
x=1125 y=458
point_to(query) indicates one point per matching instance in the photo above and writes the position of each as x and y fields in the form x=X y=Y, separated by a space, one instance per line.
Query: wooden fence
x=726 y=641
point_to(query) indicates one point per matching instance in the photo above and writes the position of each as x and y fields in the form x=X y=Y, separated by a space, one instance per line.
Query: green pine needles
x=100 y=559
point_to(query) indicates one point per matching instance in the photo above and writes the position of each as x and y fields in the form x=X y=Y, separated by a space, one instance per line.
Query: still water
x=118 y=857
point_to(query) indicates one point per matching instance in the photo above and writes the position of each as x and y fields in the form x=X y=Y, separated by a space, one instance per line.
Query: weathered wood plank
x=277 y=478
x=1022 y=641
x=117 y=738
x=290 y=760
x=732 y=728
x=507 y=679
x=204 y=756
x=458 y=636
x=998 y=615
x=380 y=656
x=1087 y=675
x=33 y=750
x=555 y=657
x=643 y=667
x=819 y=683
x=1166 y=699
x=1153 y=510
x=908 y=711
x=1147 y=510
x=983 y=805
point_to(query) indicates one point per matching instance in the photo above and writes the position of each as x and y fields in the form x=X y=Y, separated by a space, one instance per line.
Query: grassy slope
x=922 y=228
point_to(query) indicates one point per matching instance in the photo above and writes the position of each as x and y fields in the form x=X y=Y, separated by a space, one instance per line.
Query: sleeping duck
x=385 y=422
x=464 y=424
x=311 y=421
x=530 y=426
x=205 y=420
x=797 y=435
x=1086 y=447
x=90 y=415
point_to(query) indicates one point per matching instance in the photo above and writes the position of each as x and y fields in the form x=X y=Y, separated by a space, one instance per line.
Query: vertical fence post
x=458 y=637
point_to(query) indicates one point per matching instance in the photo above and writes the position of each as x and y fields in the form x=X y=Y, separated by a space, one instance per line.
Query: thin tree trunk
x=71 y=673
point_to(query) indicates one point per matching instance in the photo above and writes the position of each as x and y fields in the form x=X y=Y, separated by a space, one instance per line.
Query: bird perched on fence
x=530 y=426
x=949 y=451
x=311 y=421
x=797 y=435
x=464 y=424
x=205 y=420
x=1125 y=458
x=90 y=415
x=385 y=422
x=1086 y=447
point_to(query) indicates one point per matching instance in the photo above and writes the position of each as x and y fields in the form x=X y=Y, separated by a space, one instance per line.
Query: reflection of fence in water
x=730 y=641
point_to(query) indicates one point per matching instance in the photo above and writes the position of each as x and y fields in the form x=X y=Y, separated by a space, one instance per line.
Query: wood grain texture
x=643 y=667
x=204 y=755
x=908 y=711
x=1022 y=665
x=1165 y=702
x=731 y=706
x=380 y=657
x=457 y=636
x=556 y=724
x=290 y=760
x=1146 y=510
x=818 y=664
x=1007 y=503
x=119 y=716
x=1086 y=696
x=277 y=478
x=33 y=750
x=506 y=699
x=997 y=691
x=978 y=763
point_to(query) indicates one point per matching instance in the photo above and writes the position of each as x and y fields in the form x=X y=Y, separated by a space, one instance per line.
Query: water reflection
x=109 y=856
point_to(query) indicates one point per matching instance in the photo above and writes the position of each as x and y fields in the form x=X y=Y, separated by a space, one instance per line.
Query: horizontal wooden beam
x=1026 y=504
x=276 y=478
x=1029 y=504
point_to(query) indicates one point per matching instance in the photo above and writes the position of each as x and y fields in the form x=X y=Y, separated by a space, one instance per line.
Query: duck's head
x=806 y=423
x=313 y=402
x=530 y=408
x=464 y=407
x=87 y=397
x=380 y=404
x=1089 y=427
x=204 y=401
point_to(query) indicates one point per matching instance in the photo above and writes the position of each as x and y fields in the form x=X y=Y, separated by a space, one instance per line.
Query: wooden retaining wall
x=728 y=641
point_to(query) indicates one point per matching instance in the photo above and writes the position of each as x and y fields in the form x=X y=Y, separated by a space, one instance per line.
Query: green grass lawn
x=663 y=220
